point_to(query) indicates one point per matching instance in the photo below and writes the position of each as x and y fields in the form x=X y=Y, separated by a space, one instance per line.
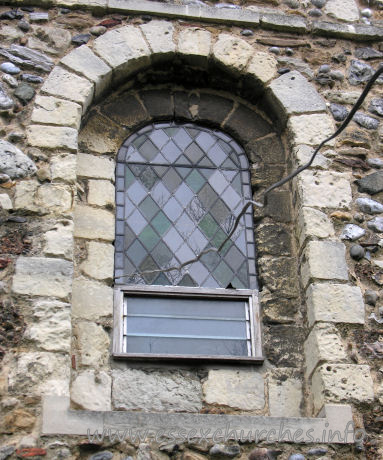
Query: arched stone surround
x=85 y=75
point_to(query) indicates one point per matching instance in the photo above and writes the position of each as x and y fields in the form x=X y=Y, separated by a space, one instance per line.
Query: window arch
x=179 y=190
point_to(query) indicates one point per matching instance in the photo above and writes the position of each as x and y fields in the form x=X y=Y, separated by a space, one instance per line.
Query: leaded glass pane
x=180 y=188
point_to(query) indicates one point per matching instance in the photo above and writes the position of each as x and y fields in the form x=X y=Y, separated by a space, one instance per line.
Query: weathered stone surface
x=223 y=450
x=262 y=66
x=124 y=49
x=352 y=232
x=167 y=391
x=339 y=112
x=293 y=94
x=40 y=373
x=92 y=344
x=313 y=223
x=296 y=64
x=52 y=40
x=51 y=327
x=303 y=154
x=54 y=111
x=6 y=451
x=344 y=10
x=376 y=106
x=93 y=223
x=24 y=93
x=159 y=35
x=359 y=72
x=90 y=390
x=324 y=260
x=335 y=303
x=69 y=86
x=310 y=129
x=6 y=102
x=14 y=162
x=283 y=22
x=101 y=193
x=91 y=299
x=240 y=389
x=5 y=202
x=29 y=196
x=232 y=52
x=247 y=125
x=285 y=396
x=324 y=189
x=52 y=137
x=367 y=53
x=95 y=166
x=194 y=42
x=369 y=206
x=342 y=97
x=365 y=121
x=323 y=344
x=59 y=240
x=342 y=383
x=63 y=167
x=372 y=184
x=273 y=239
x=100 y=261
x=83 y=61
x=26 y=57
x=376 y=224
x=43 y=276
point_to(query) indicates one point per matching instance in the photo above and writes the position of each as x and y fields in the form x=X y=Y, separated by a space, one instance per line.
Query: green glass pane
x=129 y=178
x=208 y=226
x=148 y=237
x=238 y=284
x=207 y=196
x=161 y=223
x=171 y=131
x=242 y=274
x=220 y=211
x=195 y=181
x=219 y=238
x=148 y=207
x=210 y=260
x=148 y=178
x=148 y=265
x=139 y=141
x=187 y=281
x=162 y=254
x=162 y=280
x=223 y=274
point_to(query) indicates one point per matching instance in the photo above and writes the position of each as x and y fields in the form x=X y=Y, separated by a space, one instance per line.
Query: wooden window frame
x=120 y=292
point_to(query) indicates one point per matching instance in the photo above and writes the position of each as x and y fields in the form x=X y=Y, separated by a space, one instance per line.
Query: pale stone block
x=51 y=327
x=263 y=67
x=324 y=260
x=240 y=389
x=24 y=195
x=313 y=223
x=67 y=85
x=92 y=343
x=101 y=193
x=53 y=111
x=101 y=5
x=335 y=303
x=100 y=261
x=90 y=390
x=43 y=276
x=159 y=391
x=124 y=49
x=293 y=94
x=93 y=223
x=323 y=344
x=95 y=167
x=59 y=240
x=40 y=373
x=63 y=167
x=194 y=42
x=52 y=137
x=344 y=10
x=303 y=153
x=83 y=61
x=233 y=52
x=310 y=129
x=285 y=398
x=324 y=189
x=91 y=299
x=159 y=35
x=57 y=198
x=5 y=202
x=348 y=383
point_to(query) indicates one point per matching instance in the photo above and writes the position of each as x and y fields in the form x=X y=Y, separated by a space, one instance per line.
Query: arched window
x=179 y=190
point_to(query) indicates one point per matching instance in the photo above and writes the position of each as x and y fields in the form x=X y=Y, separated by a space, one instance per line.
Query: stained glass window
x=179 y=190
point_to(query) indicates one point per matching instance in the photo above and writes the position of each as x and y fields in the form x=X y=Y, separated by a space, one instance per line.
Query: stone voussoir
x=51 y=110
x=233 y=52
x=159 y=35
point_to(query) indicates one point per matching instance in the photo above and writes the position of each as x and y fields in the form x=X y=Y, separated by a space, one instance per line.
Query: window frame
x=120 y=292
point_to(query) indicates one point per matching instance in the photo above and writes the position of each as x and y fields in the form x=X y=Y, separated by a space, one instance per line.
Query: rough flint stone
x=39 y=17
x=359 y=72
x=376 y=224
x=371 y=297
x=26 y=57
x=367 y=53
x=296 y=457
x=105 y=455
x=247 y=33
x=6 y=102
x=227 y=5
x=371 y=184
x=275 y=50
x=336 y=75
x=376 y=163
x=366 y=12
x=6 y=452
x=319 y=3
x=23 y=25
x=11 y=81
x=325 y=68
x=81 y=39
x=28 y=77
x=357 y=252
x=376 y=106
x=14 y=162
x=10 y=68
x=365 y=121
x=225 y=451
x=369 y=206
x=25 y=93
x=283 y=70
x=315 y=13
x=13 y=14
x=339 y=112
x=352 y=232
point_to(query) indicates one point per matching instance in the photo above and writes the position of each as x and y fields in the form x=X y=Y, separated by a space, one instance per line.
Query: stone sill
x=59 y=419
x=239 y=17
